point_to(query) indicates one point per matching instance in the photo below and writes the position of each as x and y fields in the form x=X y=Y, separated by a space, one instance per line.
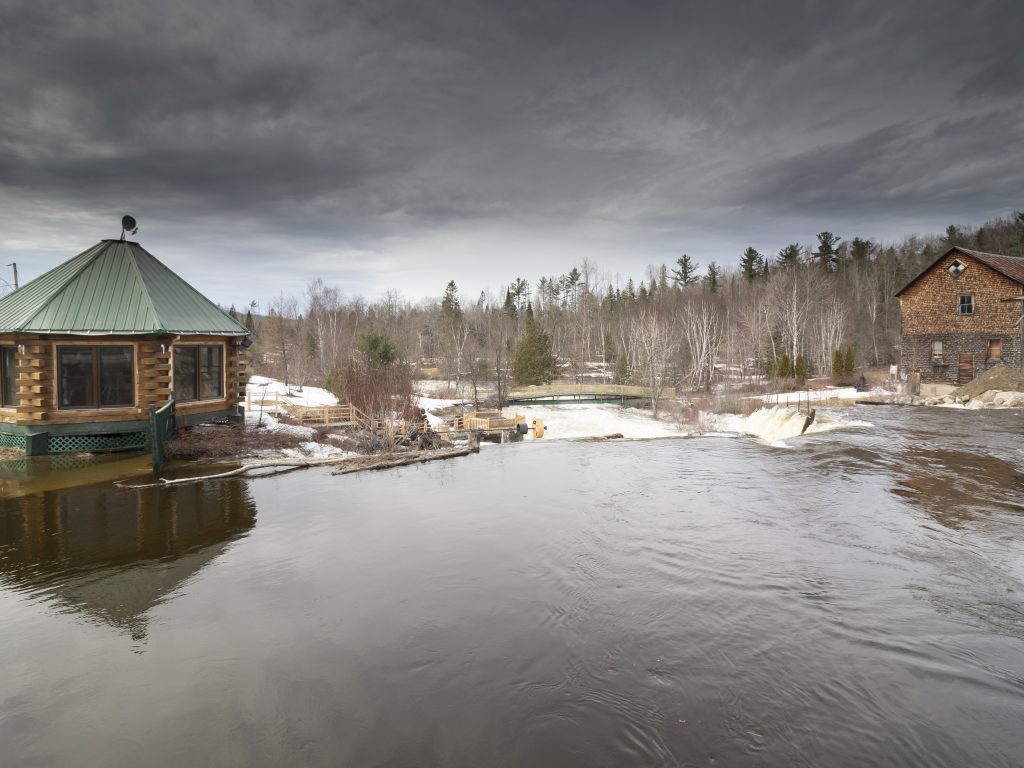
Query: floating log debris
x=349 y=464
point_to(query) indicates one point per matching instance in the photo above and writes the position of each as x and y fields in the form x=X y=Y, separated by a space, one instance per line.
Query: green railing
x=161 y=427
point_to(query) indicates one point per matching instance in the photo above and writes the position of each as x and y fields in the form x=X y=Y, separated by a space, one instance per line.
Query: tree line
x=827 y=308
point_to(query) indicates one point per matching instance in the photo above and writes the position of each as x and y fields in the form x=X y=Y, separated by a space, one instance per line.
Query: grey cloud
x=361 y=121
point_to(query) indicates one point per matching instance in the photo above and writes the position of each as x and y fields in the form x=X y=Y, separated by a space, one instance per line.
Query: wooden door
x=966 y=372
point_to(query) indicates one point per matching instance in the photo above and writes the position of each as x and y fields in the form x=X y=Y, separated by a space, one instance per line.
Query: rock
x=974 y=405
x=988 y=395
x=1009 y=400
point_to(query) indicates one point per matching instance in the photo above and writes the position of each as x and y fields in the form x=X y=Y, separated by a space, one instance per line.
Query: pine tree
x=510 y=305
x=712 y=279
x=686 y=273
x=849 y=364
x=827 y=254
x=838 y=363
x=861 y=250
x=750 y=264
x=800 y=369
x=789 y=256
x=534 y=363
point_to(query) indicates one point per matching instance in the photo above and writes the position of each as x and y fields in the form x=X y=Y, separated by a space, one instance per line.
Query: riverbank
x=998 y=388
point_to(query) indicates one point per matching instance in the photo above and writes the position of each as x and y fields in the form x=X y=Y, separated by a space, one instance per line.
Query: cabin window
x=95 y=377
x=995 y=349
x=8 y=377
x=966 y=305
x=198 y=372
x=936 y=351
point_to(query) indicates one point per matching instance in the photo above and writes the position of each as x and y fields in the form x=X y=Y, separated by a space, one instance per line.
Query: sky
x=394 y=145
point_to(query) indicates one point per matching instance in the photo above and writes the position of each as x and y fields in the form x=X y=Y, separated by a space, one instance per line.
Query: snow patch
x=260 y=387
x=596 y=420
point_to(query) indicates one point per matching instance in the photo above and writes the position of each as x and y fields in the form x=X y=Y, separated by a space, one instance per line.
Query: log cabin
x=959 y=316
x=90 y=347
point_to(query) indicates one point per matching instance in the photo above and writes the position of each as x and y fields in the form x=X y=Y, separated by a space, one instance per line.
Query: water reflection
x=26 y=475
x=113 y=556
x=956 y=486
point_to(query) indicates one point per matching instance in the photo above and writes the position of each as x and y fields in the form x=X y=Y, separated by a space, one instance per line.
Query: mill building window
x=198 y=372
x=966 y=305
x=8 y=377
x=995 y=349
x=936 y=351
x=95 y=377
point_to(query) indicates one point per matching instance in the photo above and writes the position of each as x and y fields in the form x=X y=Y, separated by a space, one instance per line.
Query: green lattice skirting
x=79 y=443
x=12 y=441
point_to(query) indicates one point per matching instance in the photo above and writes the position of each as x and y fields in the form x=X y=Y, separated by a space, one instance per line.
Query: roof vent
x=956 y=268
x=128 y=225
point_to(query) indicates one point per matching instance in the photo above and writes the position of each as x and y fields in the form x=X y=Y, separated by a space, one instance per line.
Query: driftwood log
x=349 y=464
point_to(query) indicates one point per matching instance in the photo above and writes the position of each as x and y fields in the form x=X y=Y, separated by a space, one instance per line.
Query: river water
x=850 y=598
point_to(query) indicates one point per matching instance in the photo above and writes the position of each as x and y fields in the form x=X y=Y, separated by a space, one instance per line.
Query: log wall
x=37 y=379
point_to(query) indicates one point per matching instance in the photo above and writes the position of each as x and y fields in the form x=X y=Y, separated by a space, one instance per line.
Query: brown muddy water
x=856 y=598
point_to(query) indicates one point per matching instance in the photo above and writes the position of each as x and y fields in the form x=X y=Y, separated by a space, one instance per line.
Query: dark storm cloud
x=368 y=124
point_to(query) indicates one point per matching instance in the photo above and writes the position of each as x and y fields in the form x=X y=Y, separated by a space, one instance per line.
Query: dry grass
x=218 y=442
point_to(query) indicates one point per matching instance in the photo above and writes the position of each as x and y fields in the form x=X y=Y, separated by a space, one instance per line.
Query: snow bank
x=812 y=395
x=266 y=421
x=311 y=450
x=260 y=387
x=595 y=420
x=774 y=425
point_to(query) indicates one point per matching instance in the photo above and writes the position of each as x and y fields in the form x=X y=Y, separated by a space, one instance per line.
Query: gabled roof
x=1009 y=266
x=114 y=287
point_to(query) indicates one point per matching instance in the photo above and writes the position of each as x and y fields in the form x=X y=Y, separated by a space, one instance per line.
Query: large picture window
x=8 y=377
x=198 y=372
x=95 y=377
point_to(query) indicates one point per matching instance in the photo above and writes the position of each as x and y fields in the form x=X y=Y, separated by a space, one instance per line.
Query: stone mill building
x=959 y=316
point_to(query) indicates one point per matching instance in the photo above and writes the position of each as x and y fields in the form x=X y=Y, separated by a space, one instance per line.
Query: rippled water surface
x=855 y=598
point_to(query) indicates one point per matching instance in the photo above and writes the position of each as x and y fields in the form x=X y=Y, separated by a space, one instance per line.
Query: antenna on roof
x=128 y=225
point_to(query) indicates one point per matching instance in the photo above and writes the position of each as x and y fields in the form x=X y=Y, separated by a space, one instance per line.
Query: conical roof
x=114 y=287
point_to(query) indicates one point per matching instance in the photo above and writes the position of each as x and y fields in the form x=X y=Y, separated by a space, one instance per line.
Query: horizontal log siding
x=37 y=385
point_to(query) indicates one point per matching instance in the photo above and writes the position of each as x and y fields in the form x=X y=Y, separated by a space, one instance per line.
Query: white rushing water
x=775 y=425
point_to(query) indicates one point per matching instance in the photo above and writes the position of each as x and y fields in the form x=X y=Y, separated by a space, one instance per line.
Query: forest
x=824 y=309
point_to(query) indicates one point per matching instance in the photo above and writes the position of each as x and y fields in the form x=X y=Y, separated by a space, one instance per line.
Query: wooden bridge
x=582 y=393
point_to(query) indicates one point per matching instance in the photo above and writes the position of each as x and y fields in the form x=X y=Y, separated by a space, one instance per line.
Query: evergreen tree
x=450 y=307
x=848 y=361
x=789 y=256
x=827 y=254
x=510 y=305
x=750 y=264
x=662 y=278
x=713 y=277
x=529 y=311
x=838 y=363
x=861 y=250
x=800 y=369
x=783 y=366
x=534 y=363
x=686 y=272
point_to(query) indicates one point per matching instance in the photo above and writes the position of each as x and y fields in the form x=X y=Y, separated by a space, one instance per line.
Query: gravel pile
x=999 y=378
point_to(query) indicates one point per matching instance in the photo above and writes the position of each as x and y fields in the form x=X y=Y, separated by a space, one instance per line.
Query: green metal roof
x=114 y=287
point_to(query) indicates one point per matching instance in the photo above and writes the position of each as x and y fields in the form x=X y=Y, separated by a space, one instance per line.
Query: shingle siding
x=929 y=312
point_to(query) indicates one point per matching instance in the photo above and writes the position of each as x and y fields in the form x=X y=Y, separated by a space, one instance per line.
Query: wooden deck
x=581 y=393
